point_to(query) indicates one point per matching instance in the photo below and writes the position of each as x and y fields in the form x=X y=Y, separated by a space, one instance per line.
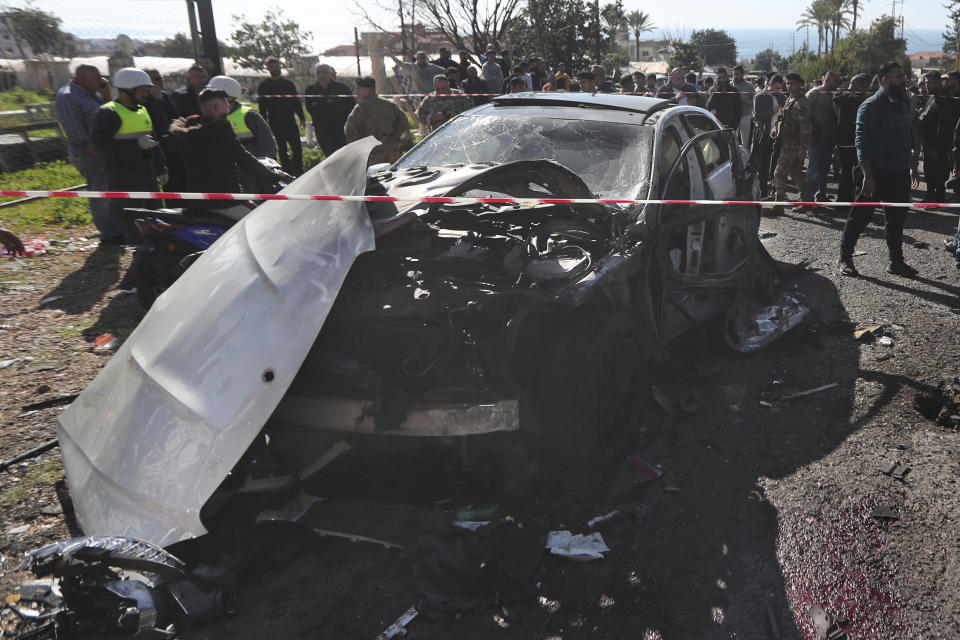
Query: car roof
x=616 y=101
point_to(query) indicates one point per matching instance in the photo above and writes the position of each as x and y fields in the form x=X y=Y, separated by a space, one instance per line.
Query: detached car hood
x=151 y=438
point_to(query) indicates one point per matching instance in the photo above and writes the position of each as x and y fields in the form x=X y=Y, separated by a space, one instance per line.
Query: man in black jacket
x=936 y=130
x=846 y=105
x=724 y=101
x=185 y=98
x=211 y=153
x=282 y=114
x=329 y=113
x=766 y=105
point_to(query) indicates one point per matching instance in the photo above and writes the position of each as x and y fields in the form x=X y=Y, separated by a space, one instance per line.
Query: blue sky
x=332 y=21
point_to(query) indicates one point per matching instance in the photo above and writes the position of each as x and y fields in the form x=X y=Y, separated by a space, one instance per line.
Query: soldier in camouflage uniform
x=382 y=119
x=793 y=133
x=442 y=104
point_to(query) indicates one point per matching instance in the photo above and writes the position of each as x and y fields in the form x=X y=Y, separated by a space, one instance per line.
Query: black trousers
x=935 y=173
x=891 y=186
x=292 y=161
x=850 y=175
x=330 y=141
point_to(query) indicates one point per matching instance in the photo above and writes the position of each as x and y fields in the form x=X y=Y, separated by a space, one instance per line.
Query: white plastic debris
x=13 y=531
x=398 y=628
x=469 y=525
x=595 y=521
x=6 y=363
x=885 y=341
x=577 y=547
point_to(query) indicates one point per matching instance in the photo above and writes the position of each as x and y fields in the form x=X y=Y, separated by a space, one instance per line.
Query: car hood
x=152 y=437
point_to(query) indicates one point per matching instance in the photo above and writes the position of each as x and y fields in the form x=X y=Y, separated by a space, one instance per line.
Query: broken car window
x=613 y=159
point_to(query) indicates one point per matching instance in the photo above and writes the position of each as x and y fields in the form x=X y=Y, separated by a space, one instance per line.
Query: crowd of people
x=145 y=138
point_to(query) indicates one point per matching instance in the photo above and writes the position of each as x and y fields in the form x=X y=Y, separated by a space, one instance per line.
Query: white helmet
x=130 y=78
x=228 y=84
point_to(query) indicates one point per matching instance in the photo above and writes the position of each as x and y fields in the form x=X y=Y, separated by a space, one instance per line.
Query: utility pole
x=208 y=34
x=596 y=5
x=194 y=32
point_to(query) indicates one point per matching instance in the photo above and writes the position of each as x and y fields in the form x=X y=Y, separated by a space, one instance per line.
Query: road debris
x=108 y=586
x=577 y=547
x=884 y=513
x=26 y=455
x=642 y=470
x=885 y=341
x=480 y=512
x=354 y=537
x=896 y=470
x=52 y=402
x=399 y=628
x=106 y=342
x=470 y=525
x=868 y=334
x=592 y=522
x=15 y=531
x=808 y=392
x=943 y=405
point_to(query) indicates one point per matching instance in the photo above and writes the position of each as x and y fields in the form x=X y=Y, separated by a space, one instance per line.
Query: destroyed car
x=468 y=318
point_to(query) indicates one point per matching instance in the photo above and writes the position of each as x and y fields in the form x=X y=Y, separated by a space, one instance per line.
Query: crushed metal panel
x=161 y=426
x=352 y=415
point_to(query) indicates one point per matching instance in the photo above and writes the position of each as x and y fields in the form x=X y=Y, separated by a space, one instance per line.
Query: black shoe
x=901 y=268
x=846 y=267
x=112 y=241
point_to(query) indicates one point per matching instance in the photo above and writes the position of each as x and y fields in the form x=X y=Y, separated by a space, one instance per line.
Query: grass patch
x=15 y=99
x=55 y=212
x=43 y=473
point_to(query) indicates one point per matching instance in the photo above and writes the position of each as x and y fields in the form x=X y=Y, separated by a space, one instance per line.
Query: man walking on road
x=823 y=121
x=329 y=107
x=77 y=104
x=792 y=130
x=884 y=149
x=282 y=114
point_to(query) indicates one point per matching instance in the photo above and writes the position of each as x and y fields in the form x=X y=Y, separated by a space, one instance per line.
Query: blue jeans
x=91 y=167
x=819 y=156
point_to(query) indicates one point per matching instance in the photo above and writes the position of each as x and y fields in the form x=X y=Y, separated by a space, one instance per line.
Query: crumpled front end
x=150 y=439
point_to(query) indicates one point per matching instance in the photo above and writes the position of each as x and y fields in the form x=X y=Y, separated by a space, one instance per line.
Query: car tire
x=590 y=398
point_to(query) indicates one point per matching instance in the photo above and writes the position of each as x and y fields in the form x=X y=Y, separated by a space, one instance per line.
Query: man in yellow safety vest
x=122 y=132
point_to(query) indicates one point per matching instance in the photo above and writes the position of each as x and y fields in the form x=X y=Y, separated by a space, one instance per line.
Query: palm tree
x=639 y=22
x=819 y=14
x=839 y=20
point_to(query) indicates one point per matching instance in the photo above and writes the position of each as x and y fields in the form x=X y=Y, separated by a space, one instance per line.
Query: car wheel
x=590 y=397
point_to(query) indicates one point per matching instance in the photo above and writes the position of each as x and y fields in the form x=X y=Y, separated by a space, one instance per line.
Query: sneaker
x=846 y=267
x=901 y=268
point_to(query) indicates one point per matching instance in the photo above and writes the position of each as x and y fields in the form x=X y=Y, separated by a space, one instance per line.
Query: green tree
x=951 y=35
x=254 y=42
x=866 y=51
x=179 y=46
x=40 y=29
x=714 y=46
x=568 y=25
x=640 y=22
x=685 y=54
x=768 y=60
x=613 y=19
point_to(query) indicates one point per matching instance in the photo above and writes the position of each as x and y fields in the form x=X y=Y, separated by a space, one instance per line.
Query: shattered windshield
x=612 y=158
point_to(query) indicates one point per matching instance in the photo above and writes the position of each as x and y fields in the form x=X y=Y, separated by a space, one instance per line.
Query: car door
x=702 y=253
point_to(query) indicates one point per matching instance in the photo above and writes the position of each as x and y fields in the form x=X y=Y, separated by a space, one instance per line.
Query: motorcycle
x=172 y=239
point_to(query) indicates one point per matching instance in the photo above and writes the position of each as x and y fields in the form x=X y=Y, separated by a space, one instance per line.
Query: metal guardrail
x=13 y=203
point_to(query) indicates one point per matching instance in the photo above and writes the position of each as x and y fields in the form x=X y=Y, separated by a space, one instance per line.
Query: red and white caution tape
x=382 y=95
x=163 y=195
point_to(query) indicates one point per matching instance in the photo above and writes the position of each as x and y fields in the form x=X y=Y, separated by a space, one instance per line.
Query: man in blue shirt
x=77 y=103
x=884 y=142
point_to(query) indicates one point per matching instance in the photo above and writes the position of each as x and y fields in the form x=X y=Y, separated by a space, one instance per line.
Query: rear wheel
x=591 y=396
